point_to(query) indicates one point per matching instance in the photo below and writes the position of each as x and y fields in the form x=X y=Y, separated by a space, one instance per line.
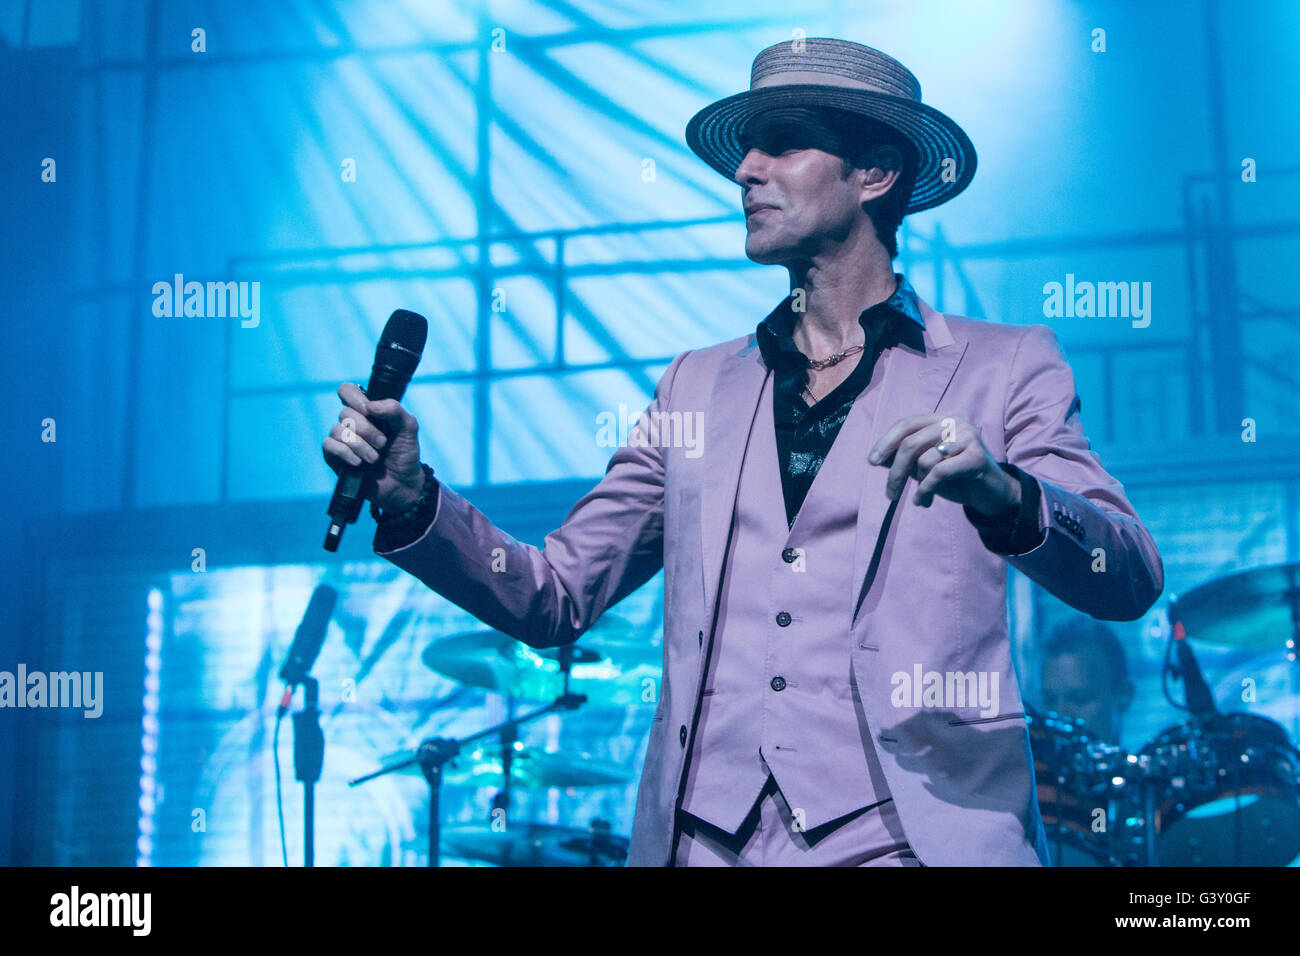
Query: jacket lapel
x=732 y=407
x=911 y=383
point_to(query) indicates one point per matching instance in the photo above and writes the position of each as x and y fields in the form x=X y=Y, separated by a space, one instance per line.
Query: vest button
x=788 y=555
x=783 y=619
x=700 y=638
x=681 y=735
x=778 y=683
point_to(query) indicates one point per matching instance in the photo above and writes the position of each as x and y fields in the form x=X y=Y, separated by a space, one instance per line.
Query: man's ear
x=876 y=184
x=885 y=167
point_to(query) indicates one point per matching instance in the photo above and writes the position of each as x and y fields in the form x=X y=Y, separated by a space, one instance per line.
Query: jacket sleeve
x=610 y=544
x=1096 y=555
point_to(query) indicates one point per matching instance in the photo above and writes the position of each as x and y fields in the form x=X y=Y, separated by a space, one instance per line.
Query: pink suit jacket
x=931 y=597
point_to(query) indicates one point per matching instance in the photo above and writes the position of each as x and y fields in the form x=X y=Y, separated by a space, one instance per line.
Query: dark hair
x=880 y=147
x=865 y=143
x=1088 y=638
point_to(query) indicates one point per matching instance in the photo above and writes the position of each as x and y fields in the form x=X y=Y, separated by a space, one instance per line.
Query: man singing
x=837 y=687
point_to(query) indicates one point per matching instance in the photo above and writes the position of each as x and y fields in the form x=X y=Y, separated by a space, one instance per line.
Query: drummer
x=1084 y=676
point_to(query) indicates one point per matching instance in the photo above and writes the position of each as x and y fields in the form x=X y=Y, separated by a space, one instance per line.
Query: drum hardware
x=1230 y=793
x=435 y=753
x=610 y=668
x=530 y=768
x=1257 y=609
x=610 y=665
x=1249 y=609
x=1139 y=846
x=1220 y=789
x=1078 y=775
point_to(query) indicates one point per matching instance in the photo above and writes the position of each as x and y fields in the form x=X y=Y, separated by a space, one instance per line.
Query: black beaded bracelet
x=403 y=520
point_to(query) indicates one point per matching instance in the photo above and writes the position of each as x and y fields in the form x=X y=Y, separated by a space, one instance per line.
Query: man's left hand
x=914 y=447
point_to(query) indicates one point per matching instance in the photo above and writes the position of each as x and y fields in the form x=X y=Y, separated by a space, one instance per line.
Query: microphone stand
x=435 y=752
x=308 y=758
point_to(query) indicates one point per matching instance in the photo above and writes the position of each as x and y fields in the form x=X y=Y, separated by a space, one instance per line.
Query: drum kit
x=1215 y=789
x=613 y=666
x=1218 y=789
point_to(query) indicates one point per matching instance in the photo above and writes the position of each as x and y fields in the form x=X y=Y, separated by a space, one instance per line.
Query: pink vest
x=780 y=688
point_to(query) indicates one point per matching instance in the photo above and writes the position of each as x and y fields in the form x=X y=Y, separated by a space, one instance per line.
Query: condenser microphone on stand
x=399 y=351
x=308 y=739
x=1200 y=699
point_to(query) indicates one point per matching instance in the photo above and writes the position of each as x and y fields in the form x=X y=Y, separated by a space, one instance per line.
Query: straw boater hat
x=825 y=72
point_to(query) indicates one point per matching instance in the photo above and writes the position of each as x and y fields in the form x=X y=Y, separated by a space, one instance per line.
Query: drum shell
x=1227 y=792
x=1082 y=793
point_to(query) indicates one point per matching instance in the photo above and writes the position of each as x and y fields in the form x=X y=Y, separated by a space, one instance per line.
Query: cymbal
x=530 y=769
x=611 y=665
x=1258 y=609
x=534 y=844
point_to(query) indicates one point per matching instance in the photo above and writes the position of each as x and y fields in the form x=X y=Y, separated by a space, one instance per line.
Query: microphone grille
x=406 y=330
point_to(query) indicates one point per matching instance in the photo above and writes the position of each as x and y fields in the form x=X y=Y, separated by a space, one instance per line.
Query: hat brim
x=714 y=133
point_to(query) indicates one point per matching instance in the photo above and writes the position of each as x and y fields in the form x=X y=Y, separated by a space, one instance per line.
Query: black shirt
x=804 y=433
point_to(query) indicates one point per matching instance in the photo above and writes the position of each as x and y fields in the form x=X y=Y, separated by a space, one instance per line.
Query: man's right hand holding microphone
x=362 y=437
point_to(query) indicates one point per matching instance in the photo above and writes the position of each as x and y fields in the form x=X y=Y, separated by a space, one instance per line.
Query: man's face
x=796 y=199
x=1074 y=686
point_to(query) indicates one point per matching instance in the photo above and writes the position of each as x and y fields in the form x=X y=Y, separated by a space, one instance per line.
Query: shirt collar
x=775 y=332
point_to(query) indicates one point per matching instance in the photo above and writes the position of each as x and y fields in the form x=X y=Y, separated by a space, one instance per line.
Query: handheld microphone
x=399 y=351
